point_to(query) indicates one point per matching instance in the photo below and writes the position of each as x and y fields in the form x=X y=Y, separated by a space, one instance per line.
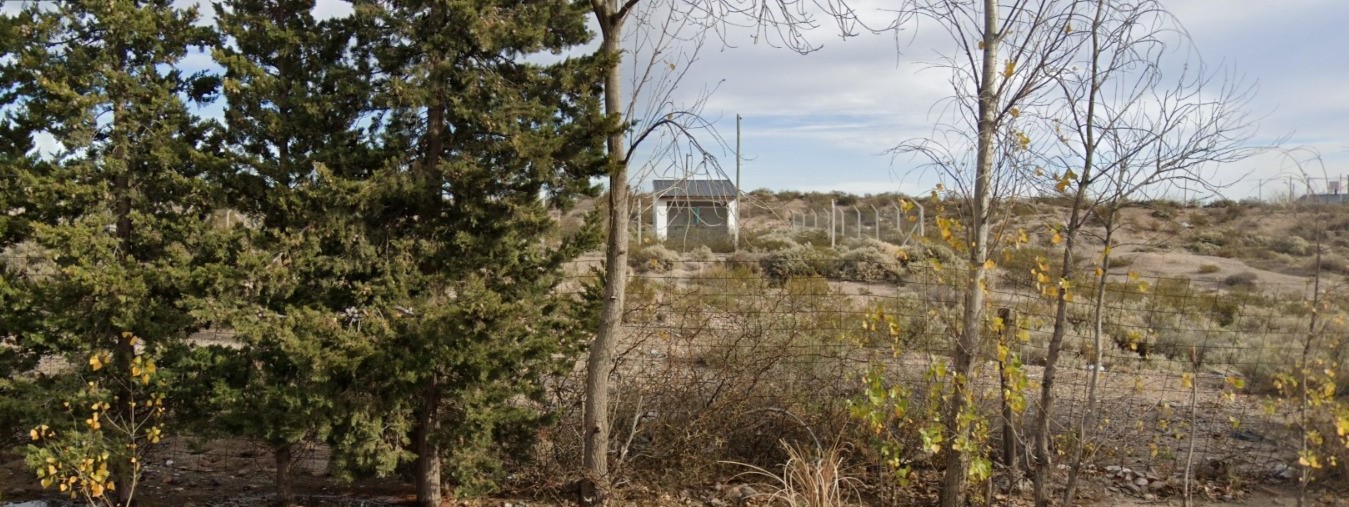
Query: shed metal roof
x=693 y=188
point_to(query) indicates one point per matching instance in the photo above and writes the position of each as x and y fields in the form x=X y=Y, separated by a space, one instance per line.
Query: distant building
x=1325 y=198
x=685 y=208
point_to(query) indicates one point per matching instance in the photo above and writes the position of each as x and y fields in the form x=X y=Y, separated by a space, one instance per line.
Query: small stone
x=166 y=479
x=1156 y=485
x=717 y=502
x=1149 y=497
x=744 y=492
x=168 y=462
x=1112 y=468
x=1141 y=481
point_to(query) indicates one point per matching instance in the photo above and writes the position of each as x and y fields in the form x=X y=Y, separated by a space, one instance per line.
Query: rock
x=717 y=502
x=1136 y=489
x=743 y=493
x=1285 y=472
x=1141 y=481
x=1157 y=485
x=1248 y=436
x=168 y=462
x=1149 y=497
x=166 y=479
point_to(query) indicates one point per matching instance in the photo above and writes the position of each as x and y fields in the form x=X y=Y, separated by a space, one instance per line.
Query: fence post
x=831 y=224
x=877 y=215
x=859 y=221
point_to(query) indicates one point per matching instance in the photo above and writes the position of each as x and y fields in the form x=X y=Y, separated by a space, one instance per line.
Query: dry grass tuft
x=809 y=482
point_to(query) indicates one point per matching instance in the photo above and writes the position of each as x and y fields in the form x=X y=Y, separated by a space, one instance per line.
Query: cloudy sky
x=823 y=121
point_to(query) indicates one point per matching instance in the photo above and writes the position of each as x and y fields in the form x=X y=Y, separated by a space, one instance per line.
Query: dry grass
x=807 y=481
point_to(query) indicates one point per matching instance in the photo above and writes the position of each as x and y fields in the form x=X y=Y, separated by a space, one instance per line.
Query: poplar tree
x=120 y=203
x=483 y=144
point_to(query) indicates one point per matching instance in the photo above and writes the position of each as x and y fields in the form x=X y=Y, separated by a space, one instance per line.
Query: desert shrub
x=1333 y=264
x=772 y=242
x=1122 y=261
x=1291 y=245
x=1206 y=269
x=655 y=257
x=1242 y=280
x=701 y=254
x=1207 y=249
x=744 y=260
x=1213 y=237
x=1017 y=264
x=802 y=261
x=1163 y=213
x=869 y=264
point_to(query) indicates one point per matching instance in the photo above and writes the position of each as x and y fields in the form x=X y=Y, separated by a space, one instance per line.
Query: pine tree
x=17 y=164
x=483 y=143
x=121 y=203
x=297 y=274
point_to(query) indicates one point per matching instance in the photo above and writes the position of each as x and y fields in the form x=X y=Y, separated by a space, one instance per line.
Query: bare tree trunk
x=285 y=486
x=427 y=470
x=594 y=490
x=1043 y=458
x=953 y=484
x=1097 y=335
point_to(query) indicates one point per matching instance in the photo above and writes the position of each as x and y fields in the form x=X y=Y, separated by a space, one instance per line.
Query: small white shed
x=694 y=207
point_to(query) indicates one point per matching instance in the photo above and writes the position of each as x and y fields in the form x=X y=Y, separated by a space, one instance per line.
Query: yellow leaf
x=1058 y=238
x=989 y=264
x=95 y=362
x=1099 y=272
x=34 y=435
x=1009 y=69
x=1187 y=380
x=1016 y=112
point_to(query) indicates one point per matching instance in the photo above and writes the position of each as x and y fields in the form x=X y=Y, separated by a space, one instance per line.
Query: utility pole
x=737 y=184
